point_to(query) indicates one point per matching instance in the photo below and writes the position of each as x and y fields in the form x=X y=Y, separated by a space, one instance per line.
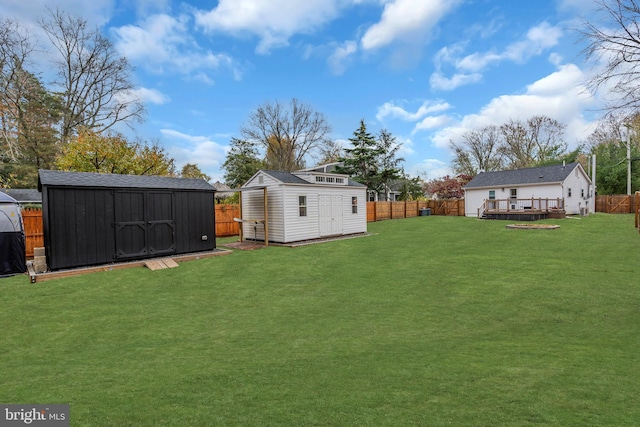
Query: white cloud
x=430 y=169
x=200 y=150
x=341 y=55
x=153 y=96
x=559 y=96
x=538 y=39
x=406 y=20
x=433 y=122
x=274 y=22
x=162 y=43
x=440 y=82
x=96 y=12
x=468 y=68
x=391 y=110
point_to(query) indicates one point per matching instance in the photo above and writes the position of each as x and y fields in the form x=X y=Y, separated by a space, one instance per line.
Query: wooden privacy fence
x=380 y=211
x=616 y=204
x=225 y=225
x=636 y=199
x=33 y=228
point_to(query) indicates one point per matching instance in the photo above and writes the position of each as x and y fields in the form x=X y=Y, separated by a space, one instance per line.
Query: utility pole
x=628 y=138
x=628 y=161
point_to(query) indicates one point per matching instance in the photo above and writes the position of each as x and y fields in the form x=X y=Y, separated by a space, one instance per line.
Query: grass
x=430 y=321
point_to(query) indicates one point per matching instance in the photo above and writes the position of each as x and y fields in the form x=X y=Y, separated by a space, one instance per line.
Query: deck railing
x=520 y=205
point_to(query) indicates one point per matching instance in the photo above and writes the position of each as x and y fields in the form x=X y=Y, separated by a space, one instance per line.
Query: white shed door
x=330 y=215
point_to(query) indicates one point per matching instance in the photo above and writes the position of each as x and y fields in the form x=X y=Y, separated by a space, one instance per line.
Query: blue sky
x=425 y=70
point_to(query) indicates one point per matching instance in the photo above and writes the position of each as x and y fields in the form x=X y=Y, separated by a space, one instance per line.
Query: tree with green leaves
x=361 y=160
x=37 y=132
x=372 y=161
x=609 y=144
x=242 y=162
x=191 y=170
x=90 y=151
x=411 y=189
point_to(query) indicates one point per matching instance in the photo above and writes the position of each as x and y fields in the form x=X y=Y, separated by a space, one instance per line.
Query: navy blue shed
x=92 y=219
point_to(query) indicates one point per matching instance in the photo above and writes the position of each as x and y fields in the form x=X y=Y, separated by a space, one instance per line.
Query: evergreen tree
x=361 y=162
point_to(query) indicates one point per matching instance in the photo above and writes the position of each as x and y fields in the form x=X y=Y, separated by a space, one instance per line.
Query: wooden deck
x=522 y=209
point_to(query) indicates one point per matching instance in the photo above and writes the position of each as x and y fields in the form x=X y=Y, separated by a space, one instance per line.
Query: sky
x=425 y=70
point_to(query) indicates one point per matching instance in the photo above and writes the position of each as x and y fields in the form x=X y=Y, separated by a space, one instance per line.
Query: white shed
x=563 y=186
x=302 y=205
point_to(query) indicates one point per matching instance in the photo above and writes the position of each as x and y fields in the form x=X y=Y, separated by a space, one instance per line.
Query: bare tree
x=478 y=151
x=613 y=47
x=296 y=129
x=535 y=141
x=95 y=80
x=389 y=165
x=330 y=152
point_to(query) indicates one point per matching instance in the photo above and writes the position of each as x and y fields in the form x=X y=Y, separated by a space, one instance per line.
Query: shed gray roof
x=290 y=178
x=89 y=179
x=24 y=195
x=539 y=175
x=286 y=177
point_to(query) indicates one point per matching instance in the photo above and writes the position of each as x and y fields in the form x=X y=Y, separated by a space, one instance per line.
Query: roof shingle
x=539 y=175
x=89 y=179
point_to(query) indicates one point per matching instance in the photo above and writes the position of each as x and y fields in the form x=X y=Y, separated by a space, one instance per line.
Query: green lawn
x=429 y=321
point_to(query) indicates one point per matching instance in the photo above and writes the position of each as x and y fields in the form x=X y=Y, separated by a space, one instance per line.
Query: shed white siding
x=284 y=220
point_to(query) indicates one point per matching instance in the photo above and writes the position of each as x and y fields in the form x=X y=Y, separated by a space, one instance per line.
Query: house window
x=354 y=205
x=492 y=194
x=339 y=180
x=319 y=178
x=302 y=205
x=582 y=193
x=568 y=192
x=514 y=193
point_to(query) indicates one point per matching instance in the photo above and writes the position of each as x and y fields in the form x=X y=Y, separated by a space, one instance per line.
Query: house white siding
x=474 y=198
x=580 y=195
x=574 y=186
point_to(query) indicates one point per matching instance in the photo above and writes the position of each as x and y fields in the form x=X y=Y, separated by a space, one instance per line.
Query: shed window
x=492 y=194
x=354 y=205
x=302 y=205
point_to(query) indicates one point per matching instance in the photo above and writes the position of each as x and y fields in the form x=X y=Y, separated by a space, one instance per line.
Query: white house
x=302 y=205
x=522 y=189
